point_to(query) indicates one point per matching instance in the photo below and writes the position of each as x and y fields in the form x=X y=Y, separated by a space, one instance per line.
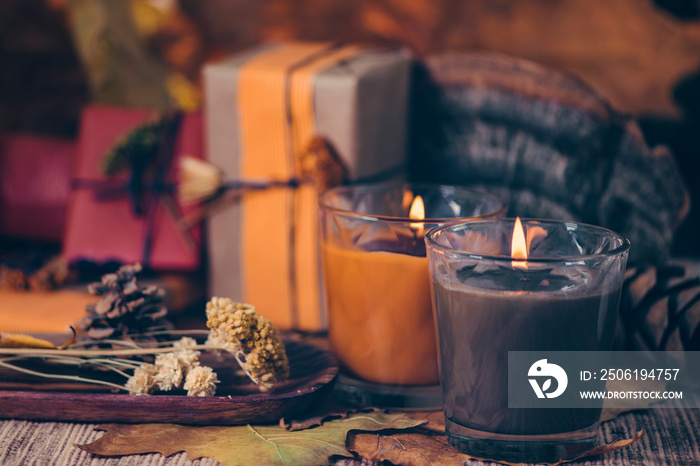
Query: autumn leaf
x=414 y=449
x=243 y=445
x=435 y=420
x=330 y=410
x=607 y=448
x=21 y=340
x=426 y=448
x=324 y=415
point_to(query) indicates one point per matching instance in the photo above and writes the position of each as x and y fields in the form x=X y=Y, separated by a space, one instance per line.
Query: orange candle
x=380 y=315
x=378 y=301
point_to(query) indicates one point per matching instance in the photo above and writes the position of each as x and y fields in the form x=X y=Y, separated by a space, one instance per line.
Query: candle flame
x=518 y=247
x=417 y=212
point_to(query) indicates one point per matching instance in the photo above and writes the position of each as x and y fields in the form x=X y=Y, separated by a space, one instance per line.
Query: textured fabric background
x=672 y=437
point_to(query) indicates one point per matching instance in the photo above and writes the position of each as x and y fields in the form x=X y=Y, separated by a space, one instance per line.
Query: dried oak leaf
x=424 y=449
x=410 y=449
x=327 y=412
x=330 y=410
x=435 y=420
x=243 y=445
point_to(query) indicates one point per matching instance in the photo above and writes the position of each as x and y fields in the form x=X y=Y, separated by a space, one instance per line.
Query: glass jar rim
x=393 y=185
x=622 y=249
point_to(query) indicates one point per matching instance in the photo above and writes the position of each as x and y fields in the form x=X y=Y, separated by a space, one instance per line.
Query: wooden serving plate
x=312 y=372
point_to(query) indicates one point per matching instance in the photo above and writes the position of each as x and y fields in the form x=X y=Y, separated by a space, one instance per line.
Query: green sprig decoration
x=138 y=148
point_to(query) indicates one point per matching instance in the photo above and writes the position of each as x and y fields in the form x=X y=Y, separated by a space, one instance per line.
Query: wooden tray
x=312 y=371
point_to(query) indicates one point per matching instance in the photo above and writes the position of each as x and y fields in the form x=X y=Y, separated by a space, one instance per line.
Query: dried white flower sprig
x=173 y=364
x=201 y=381
x=236 y=329
x=170 y=369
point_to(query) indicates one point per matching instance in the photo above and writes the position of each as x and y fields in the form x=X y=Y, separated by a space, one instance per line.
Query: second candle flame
x=518 y=247
x=417 y=212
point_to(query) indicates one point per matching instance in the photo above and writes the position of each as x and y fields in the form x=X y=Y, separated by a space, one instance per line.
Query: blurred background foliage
x=57 y=55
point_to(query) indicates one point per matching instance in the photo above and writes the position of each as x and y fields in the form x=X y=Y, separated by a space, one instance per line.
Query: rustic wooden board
x=312 y=371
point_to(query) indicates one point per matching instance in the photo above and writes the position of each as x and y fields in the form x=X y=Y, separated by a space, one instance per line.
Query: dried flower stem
x=74 y=378
x=104 y=352
x=99 y=358
x=169 y=332
x=105 y=363
x=77 y=361
x=129 y=344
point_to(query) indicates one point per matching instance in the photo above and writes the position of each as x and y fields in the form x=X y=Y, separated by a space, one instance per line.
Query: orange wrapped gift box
x=263 y=108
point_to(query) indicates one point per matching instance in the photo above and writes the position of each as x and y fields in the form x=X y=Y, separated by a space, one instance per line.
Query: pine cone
x=659 y=309
x=124 y=307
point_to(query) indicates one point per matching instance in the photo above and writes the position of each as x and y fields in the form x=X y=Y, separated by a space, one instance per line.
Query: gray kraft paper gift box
x=263 y=109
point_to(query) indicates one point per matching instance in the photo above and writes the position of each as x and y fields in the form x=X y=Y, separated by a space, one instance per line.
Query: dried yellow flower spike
x=251 y=338
x=20 y=340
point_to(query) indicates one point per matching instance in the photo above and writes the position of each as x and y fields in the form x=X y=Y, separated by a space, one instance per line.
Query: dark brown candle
x=478 y=327
x=498 y=288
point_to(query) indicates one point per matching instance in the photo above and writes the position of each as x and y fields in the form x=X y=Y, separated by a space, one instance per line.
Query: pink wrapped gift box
x=106 y=230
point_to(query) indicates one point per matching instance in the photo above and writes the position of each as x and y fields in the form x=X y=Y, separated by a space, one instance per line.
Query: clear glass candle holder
x=490 y=300
x=377 y=287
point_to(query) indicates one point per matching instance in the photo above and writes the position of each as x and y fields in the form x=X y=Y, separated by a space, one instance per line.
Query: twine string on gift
x=213 y=193
x=298 y=126
x=159 y=190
